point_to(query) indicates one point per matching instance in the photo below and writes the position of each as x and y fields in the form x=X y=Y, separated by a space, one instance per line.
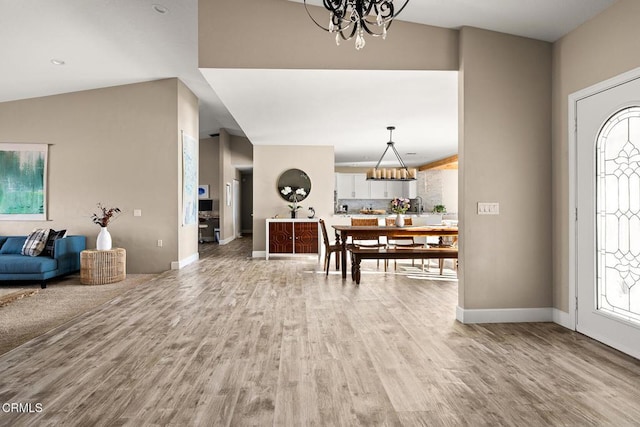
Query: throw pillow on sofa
x=13 y=245
x=35 y=242
x=51 y=241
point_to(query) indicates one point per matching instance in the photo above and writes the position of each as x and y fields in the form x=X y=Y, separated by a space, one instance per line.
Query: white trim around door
x=574 y=98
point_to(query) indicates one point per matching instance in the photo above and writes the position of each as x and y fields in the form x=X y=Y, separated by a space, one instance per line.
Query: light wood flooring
x=231 y=340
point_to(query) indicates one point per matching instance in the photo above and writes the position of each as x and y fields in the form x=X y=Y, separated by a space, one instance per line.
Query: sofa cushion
x=34 y=245
x=13 y=245
x=51 y=241
x=20 y=264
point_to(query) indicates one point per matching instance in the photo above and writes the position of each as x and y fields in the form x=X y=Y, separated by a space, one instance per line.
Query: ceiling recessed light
x=160 y=9
x=57 y=62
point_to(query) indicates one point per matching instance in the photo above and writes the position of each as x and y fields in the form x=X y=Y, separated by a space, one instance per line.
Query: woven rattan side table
x=102 y=267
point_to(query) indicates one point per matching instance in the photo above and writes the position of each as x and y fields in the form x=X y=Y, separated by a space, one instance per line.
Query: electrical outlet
x=159 y=243
x=488 y=208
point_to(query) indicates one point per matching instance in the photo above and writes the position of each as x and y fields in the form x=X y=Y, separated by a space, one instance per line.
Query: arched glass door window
x=618 y=215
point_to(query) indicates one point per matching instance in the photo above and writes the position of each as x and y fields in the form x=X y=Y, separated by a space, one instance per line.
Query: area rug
x=30 y=311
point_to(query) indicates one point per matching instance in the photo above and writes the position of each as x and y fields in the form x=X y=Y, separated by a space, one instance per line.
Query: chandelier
x=349 y=18
x=392 y=174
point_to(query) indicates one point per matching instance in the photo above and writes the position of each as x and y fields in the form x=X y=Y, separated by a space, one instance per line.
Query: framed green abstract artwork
x=23 y=181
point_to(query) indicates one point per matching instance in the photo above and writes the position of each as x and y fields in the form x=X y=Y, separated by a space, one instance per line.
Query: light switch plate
x=137 y=212
x=488 y=208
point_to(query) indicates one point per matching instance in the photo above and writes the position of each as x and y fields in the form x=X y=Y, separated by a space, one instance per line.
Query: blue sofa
x=14 y=266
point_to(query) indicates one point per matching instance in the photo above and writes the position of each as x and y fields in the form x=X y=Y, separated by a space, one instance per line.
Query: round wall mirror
x=294 y=185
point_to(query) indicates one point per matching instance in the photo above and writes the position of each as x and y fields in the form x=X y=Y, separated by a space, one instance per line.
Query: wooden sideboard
x=289 y=237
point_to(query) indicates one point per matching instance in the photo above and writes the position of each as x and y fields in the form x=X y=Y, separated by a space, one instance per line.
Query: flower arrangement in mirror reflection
x=293 y=196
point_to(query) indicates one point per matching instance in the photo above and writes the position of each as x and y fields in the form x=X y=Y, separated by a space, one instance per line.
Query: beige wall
x=269 y=162
x=505 y=157
x=209 y=166
x=188 y=115
x=241 y=152
x=242 y=34
x=117 y=146
x=599 y=49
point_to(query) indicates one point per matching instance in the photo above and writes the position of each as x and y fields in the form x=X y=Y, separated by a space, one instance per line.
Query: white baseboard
x=177 y=265
x=227 y=241
x=562 y=318
x=505 y=315
x=259 y=254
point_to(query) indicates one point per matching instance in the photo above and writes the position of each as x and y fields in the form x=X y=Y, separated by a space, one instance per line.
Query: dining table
x=368 y=231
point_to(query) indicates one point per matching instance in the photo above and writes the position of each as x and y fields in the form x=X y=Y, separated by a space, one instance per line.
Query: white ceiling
x=122 y=41
x=348 y=109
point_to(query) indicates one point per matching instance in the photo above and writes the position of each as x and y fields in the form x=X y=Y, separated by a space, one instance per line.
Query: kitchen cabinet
x=378 y=189
x=291 y=237
x=392 y=189
x=410 y=189
x=352 y=186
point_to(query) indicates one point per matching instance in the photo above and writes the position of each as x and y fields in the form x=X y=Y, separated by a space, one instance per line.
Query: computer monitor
x=205 y=205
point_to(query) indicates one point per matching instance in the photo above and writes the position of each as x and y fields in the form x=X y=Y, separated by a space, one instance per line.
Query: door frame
x=573 y=170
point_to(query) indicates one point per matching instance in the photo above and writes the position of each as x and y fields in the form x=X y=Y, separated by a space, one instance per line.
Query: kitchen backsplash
x=355 y=205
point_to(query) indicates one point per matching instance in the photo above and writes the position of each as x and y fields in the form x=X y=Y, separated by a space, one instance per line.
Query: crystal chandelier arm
x=399 y=11
x=347 y=37
x=336 y=15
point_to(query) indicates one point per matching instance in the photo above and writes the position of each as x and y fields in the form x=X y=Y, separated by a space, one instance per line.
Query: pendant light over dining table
x=392 y=174
x=349 y=18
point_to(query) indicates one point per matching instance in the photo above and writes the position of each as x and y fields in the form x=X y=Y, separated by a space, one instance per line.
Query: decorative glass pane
x=618 y=215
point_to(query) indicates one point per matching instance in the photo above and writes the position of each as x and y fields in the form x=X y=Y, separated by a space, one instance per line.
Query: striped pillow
x=35 y=242
x=51 y=242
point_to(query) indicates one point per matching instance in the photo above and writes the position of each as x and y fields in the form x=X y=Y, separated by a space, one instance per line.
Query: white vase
x=103 y=243
x=399 y=220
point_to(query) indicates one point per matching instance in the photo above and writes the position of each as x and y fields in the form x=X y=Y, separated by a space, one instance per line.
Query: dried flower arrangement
x=105 y=216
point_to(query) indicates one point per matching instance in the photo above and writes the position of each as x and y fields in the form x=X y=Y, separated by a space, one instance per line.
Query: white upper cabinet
x=378 y=189
x=394 y=189
x=352 y=186
x=361 y=186
x=410 y=189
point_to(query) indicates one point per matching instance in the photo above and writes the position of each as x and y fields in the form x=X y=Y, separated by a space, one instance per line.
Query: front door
x=608 y=216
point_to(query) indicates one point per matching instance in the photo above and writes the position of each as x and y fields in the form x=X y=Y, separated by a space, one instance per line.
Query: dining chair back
x=363 y=241
x=391 y=221
x=401 y=242
x=329 y=248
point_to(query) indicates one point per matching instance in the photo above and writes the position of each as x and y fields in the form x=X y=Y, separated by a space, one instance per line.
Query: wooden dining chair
x=370 y=242
x=401 y=242
x=330 y=248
